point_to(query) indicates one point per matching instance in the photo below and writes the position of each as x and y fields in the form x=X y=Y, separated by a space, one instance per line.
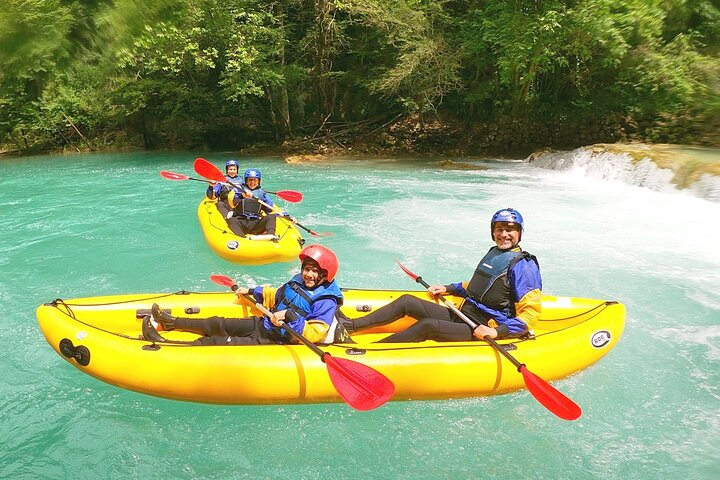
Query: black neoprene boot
x=164 y=319
x=345 y=322
x=152 y=335
x=149 y=332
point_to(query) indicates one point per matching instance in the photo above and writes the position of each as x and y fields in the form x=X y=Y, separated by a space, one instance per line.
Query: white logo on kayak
x=600 y=338
x=233 y=245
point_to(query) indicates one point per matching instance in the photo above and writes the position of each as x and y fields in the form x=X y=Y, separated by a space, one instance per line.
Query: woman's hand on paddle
x=242 y=291
x=483 y=331
x=278 y=318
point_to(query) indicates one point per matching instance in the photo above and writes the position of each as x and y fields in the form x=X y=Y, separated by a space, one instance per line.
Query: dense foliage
x=212 y=73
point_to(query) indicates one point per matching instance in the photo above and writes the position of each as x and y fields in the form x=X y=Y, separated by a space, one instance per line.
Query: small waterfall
x=660 y=168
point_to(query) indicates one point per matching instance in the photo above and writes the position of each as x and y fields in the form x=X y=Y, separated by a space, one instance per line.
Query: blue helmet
x=230 y=163
x=507 y=215
x=253 y=173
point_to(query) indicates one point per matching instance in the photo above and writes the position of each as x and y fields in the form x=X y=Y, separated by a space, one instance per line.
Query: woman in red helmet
x=307 y=303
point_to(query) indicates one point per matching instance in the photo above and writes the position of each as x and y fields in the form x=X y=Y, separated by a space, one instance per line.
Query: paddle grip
x=448 y=304
x=306 y=229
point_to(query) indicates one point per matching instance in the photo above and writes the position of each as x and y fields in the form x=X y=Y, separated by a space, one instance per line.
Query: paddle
x=546 y=394
x=362 y=387
x=291 y=196
x=211 y=172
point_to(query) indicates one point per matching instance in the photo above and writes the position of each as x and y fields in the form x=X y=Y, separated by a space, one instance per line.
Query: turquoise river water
x=99 y=224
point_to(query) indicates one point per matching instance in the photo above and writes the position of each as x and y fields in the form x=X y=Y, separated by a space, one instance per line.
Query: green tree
x=224 y=73
x=33 y=50
x=417 y=66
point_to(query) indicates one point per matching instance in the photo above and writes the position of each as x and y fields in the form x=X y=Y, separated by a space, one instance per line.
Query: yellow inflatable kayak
x=252 y=249
x=102 y=337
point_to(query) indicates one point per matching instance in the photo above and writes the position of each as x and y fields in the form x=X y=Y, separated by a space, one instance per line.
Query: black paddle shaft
x=284 y=325
x=226 y=181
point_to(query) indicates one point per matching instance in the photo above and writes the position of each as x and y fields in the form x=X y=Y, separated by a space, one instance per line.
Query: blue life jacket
x=295 y=296
x=221 y=191
x=490 y=285
x=247 y=207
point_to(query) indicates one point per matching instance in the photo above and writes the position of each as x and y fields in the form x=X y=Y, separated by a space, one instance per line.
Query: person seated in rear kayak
x=307 y=303
x=503 y=296
x=252 y=208
x=219 y=191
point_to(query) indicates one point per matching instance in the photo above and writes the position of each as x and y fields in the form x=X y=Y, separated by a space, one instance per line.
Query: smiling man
x=503 y=296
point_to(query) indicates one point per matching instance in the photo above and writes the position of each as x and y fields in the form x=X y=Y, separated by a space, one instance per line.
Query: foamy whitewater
x=621 y=167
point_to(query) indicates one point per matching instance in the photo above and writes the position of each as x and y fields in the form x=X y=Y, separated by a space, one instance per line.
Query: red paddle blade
x=222 y=280
x=208 y=170
x=362 y=387
x=550 y=397
x=290 y=195
x=173 y=175
x=406 y=270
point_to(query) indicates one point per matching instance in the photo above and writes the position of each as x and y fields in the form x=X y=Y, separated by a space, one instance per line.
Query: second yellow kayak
x=251 y=249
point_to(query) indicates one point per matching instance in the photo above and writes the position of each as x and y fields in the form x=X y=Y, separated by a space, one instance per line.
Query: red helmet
x=324 y=257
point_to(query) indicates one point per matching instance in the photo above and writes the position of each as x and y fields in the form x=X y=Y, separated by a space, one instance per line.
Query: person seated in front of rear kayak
x=503 y=296
x=252 y=208
x=220 y=191
x=307 y=303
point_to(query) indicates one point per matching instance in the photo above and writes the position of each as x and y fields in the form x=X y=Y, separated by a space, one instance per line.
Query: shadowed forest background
x=368 y=75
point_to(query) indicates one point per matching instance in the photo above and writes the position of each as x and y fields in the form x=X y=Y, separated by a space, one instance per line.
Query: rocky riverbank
x=437 y=135
x=510 y=138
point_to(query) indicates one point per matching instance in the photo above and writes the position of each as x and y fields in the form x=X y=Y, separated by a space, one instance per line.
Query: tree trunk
x=282 y=100
x=146 y=136
x=87 y=142
x=278 y=96
x=324 y=19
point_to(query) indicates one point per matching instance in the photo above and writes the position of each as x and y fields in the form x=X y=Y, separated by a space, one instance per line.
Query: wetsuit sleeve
x=266 y=199
x=526 y=282
x=316 y=322
x=213 y=191
x=258 y=294
x=457 y=289
x=323 y=310
x=528 y=309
